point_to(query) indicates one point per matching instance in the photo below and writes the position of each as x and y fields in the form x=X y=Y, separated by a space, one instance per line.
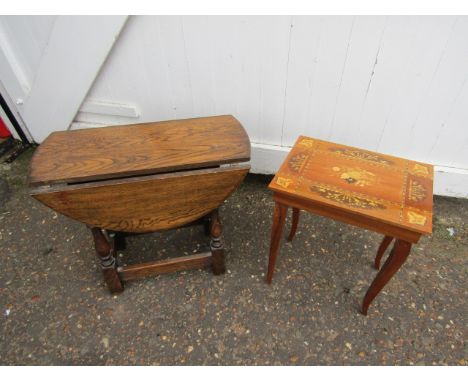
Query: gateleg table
x=133 y=179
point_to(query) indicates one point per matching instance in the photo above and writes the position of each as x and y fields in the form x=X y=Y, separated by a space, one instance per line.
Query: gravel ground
x=56 y=310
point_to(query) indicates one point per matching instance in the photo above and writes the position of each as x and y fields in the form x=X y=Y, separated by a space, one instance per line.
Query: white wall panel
x=319 y=50
x=181 y=67
x=430 y=41
x=362 y=60
x=442 y=102
x=395 y=84
x=386 y=83
x=27 y=37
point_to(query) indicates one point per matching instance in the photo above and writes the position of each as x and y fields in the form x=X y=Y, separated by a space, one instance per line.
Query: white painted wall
x=47 y=75
x=393 y=84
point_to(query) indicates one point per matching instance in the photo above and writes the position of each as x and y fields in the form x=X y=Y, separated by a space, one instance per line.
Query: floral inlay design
x=349 y=200
x=415 y=218
x=356 y=176
x=306 y=142
x=283 y=182
x=417 y=191
x=298 y=162
x=420 y=170
x=361 y=155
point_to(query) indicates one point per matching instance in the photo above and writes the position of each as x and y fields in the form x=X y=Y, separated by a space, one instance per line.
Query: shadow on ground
x=55 y=308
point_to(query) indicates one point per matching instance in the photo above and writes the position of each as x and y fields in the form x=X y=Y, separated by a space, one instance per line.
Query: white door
x=48 y=64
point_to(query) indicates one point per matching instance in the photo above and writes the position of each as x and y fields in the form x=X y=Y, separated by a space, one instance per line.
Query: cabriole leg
x=395 y=260
x=279 y=216
x=295 y=221
x=383 y=247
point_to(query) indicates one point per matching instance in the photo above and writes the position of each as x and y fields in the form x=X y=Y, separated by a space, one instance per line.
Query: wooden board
x=146 y=203
x=381 y=187
x=148 y=148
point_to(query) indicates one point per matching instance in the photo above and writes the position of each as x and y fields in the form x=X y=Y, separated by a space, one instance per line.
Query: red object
x=4 y=132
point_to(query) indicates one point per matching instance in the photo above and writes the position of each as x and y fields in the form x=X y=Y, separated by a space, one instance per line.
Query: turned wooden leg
x=383 y=247
x=397 y=257
x=105 y=253
x=295 y=221
x=279 y=216
x=216 y=245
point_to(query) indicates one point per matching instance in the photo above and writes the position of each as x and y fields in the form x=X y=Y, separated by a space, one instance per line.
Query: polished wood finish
x=295 y=222
x=133 y=272
x=382 y=248
x=105 y=252
x=144 y=204
x=375 y=186
x=347 y=217
x=397 y=257
x=216 y=244
x=279 y=216
x=134 y=179
x=378 y=192
x=141 y=149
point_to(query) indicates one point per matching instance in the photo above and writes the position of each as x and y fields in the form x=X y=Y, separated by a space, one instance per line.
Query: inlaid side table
x=122 y=180
x=381 y=193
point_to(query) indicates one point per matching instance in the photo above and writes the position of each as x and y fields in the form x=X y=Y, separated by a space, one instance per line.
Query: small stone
x=294 y=358
x=426 y=341
x=348 y=345
x=362 y=354
x=105 y=341
x=332 y=336
x=189 y=349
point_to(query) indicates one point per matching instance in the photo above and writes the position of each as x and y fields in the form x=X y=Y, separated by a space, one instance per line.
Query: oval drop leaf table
x=143 y=178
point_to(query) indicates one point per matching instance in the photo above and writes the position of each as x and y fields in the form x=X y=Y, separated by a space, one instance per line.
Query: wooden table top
x=147 y=148
x=382 y=187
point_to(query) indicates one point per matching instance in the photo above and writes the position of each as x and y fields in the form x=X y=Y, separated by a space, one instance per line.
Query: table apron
x=349 y=217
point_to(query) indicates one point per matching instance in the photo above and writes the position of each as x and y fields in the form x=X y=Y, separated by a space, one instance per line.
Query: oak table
x=381 y=193
x=142 y=178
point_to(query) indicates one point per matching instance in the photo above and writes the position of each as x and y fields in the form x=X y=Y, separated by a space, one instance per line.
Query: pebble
x=105 y=341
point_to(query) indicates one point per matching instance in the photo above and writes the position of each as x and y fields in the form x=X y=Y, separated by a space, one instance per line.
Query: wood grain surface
x=381 y=188
x=141 y=149
x=133 y=272
x=145 y=203
x=348 y=217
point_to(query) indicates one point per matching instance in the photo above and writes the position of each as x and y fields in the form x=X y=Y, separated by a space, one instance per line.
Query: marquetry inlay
x=386 y=188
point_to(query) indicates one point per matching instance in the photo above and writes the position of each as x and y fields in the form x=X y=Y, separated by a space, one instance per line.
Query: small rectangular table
x=147 y=177
x=381 y=193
